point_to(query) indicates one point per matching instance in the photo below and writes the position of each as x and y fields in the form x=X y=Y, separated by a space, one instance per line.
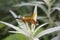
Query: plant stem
x=49 y=17
x=32 y=31
x=28 y=28
x=31 y=36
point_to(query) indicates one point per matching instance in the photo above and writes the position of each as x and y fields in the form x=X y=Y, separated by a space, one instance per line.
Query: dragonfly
x=32 y=18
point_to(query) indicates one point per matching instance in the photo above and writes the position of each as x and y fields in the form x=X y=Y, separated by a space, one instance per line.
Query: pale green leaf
x=50 y=30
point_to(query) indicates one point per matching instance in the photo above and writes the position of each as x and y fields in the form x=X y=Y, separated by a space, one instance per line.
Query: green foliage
x=38 y=31
x=1 y=26
x=16 y=37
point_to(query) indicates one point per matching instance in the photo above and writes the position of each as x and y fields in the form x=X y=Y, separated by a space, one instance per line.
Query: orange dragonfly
x=32 y=18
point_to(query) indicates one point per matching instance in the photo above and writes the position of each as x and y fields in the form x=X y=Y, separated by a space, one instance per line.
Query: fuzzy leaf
x=16 y=28
x=10 y=25
x=50 y=30
x=24 y=33
x=40 y=27
x=36 y=39
x=56 y=8
x=55 y=38
x=21 y=24
x=37 y=2
x=31 y=4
